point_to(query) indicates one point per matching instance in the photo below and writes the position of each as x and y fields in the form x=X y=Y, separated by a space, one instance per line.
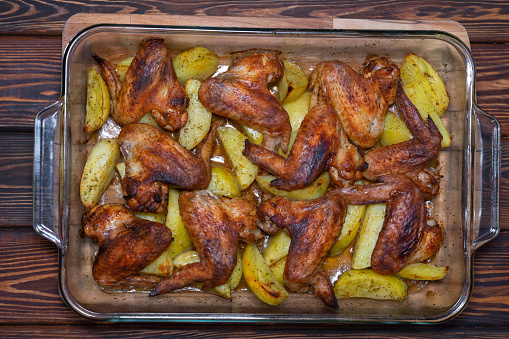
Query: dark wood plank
x=16 y=168
x=484 y=20
x=31 y=79
x=29 y=295
x=30 y=68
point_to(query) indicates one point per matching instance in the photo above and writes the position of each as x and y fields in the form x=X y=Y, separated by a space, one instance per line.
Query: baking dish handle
x=486 y=183
x=46 y=178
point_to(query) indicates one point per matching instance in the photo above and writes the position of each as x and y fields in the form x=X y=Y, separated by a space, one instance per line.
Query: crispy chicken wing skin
x=348 y=162
x=215 y=237
x=241 y=94
x=154 y=159
x=408 y=155
x=127 y=244
x=405 y=219
x=313 y=225
x=385 y=73
x=150 y=85
x=430 y=243
x=358 y=101
x=314 y=147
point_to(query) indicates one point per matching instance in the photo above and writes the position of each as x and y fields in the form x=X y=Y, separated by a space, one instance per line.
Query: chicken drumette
x=154 y=159
x=314 y=226
x=127 y=244
x=150 y=85
x=241 y=94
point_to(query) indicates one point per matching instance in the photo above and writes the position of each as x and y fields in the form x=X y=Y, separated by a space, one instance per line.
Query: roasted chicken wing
x=409 y=155
x=241 y=94
x=214 y=229
x=405 y=219
x=150 y=85
x=127 y=245
x=154 y=159
x=314 y=226
x=385 y=73
x=358 y=101
x=315 y=145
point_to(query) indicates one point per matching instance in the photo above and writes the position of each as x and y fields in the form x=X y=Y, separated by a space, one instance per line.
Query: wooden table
x=30 y=65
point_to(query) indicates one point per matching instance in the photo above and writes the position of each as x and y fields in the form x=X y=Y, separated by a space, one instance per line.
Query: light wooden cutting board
x=81 y=21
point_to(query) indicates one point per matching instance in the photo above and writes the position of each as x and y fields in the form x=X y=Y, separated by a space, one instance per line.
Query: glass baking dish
x=467 y=205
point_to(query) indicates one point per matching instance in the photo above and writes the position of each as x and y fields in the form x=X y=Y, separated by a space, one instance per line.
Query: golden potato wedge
x=120 y=166
x=162 y=266
x=421 y=271
x=371 y=226
x=316 y=190
x=195 y=63
x=223 y=182
x=293 y=83
x=186 y=258
x=367 y=283
x=181 y=240
x=160 y=218
x=233 y=142
x=260 y=279
x=236 y=276
x=351 y=225
x=149 y=119
x=276 y=248
x=253 y=135
x=416 y=69
x=297 y=110
x=198 y=118
x=395 y=130
x=278 y=269
x=99 y=171
x=98 y=104
x=123 y=66
x=426 y=90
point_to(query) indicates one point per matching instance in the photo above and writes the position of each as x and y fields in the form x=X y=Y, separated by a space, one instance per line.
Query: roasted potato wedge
x=99 y=171
x=278 y=269
x=120 y=166
x=223 y=182
x=421 y=271
x=233 y=142
x=297 y=110
x=149 y=119
x=260 y=279
x=426 y=90
x=316 y=190
x=395 y=130
x=186 y=258
x=98 y=104
x=351 y=225
x=123 y=66
x=198 y=118
x=160 y=218
x=181 y=240
x=276 y=248
x=371 y=226
x=367 y=283
x=195 y=63
x=162 y=266
x=293 y=83
x=253 y=135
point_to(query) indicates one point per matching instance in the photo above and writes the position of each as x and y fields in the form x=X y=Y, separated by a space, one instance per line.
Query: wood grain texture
x=484 y=20
x=29 y=285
